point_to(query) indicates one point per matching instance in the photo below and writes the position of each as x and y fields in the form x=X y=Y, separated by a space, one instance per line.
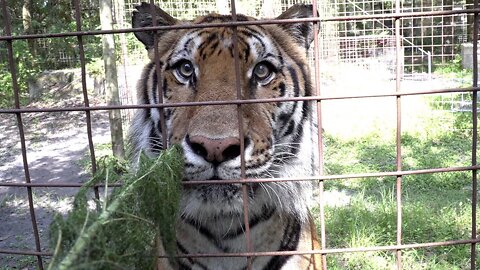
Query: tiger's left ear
x=301 y=32
x=144 y=16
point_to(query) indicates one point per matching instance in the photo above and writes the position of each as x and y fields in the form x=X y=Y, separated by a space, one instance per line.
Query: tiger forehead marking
x=215 y=47
x=198 y=65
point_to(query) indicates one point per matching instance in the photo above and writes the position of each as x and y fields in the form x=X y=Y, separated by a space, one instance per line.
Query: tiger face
x=199 y=65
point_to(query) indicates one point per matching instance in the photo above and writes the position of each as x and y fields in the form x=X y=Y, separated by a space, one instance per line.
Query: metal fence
x=397 y=16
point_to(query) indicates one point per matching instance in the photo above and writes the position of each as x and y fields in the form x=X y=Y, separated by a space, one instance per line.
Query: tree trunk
x=27 y=24
x=111 y=83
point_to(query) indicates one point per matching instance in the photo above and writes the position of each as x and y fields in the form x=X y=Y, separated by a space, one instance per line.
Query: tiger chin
x=198 y=65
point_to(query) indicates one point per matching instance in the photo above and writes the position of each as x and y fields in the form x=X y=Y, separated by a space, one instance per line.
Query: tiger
x=198 y=65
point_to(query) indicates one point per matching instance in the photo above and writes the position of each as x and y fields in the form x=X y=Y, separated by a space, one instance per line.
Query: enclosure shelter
x=364 y=51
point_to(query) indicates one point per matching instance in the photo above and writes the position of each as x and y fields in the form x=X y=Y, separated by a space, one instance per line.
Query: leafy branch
x=125 y=227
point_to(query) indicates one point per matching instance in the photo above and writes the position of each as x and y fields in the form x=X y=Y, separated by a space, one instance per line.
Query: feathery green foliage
x=121 y=232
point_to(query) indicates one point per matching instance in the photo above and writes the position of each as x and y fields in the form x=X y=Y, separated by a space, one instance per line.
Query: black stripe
x=148 y=70
x=206 y=233
x=296 y=85
x=246 y=53
x=250 y=29
x=267 y=213
x=222 y=18
x=183 y=251
x=280 y=56
x=185 y=45
x=155 y=138
x=189 y=165
x=154 y=87
x=205 y=44
x=168 y=113
x=296 y=140
x=257 y=36
x=286 y=117
x=308 y=86
x=182 y=265
x=213 y=47
x=291 y=237
x=296 y=89
x=281 y=86
x=290 y=127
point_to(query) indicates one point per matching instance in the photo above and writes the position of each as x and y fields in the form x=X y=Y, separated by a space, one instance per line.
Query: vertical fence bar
x=473 y=247
x=81 y=51
x=320 y=170
x=158 y=71
x=16 y=91
x=246 y=220
x=160 y=93
x=398 y=77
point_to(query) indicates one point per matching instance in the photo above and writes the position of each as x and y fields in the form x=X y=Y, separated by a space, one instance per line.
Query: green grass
x=435 y=207
x=455 y=70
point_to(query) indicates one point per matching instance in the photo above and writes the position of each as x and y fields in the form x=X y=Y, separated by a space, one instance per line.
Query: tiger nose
x=215 y=150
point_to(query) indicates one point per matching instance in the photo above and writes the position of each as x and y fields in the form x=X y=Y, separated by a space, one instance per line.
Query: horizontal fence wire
x=244 y=23
x=237 y=102
x=289 y=253
x=274 y=179
x=318 y=98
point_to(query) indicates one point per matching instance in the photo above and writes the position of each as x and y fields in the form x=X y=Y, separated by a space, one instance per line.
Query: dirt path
x=57 y=150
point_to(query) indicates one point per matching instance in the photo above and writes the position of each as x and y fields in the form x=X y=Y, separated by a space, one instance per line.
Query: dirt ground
x=57 y=150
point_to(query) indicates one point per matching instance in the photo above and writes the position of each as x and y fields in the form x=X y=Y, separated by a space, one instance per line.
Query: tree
x=111 y=83
x=27 y=24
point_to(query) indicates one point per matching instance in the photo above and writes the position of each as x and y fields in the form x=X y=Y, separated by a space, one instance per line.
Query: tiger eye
x=185 y=69
x=262 y=71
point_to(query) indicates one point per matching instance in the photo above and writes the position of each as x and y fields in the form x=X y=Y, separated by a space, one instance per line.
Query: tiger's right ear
x=143 y=17
x=301 y=32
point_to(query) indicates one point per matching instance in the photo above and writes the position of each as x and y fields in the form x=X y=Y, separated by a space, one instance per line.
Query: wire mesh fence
x=359 y=43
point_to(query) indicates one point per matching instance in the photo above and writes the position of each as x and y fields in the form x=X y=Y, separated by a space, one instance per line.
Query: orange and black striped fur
x=198 y=65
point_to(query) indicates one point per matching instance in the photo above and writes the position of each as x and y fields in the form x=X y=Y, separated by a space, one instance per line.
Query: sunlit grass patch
x=370 y=220
x=435 y=207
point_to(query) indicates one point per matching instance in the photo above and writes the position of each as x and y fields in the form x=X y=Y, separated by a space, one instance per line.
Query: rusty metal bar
x=320 y=169
x=78 y=22
x=344 y=250
x=266 y=180
x=158 y=72
x=289 y=253
x=398 y=142
x=243 y=23
x=473 y=248
x=26 y=170
x=244 y=101
x=246 y=220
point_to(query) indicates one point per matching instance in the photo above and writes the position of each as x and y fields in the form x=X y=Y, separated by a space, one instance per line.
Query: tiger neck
x=268 y=232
